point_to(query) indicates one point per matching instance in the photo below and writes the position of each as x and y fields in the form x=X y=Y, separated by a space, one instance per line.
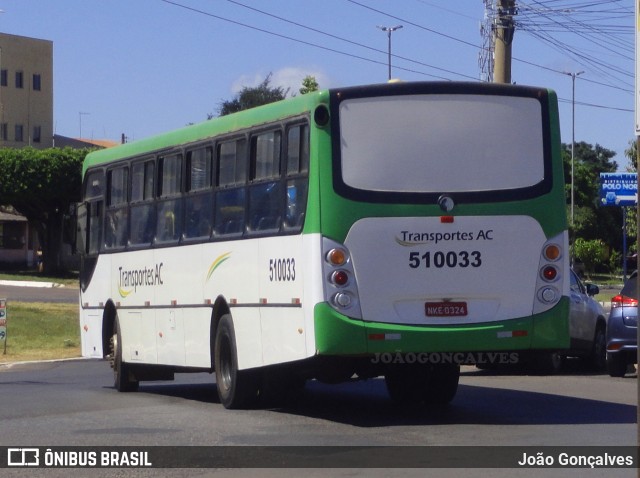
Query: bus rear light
x=549 y=273
x=340 y=283
x=337 y=257
x=552 y=283
x=340 y=278
x=548 y=295
x=508 y=334
x=552 y=252
x=342 y=299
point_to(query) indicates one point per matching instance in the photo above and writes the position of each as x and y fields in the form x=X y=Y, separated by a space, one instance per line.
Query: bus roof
x=201 y=131
x=283 y=109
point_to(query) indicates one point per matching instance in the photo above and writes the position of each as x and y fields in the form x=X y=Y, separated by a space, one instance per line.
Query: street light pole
x=389 y=31
x=573 y=130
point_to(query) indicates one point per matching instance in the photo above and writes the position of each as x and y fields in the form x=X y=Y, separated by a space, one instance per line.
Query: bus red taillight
x=340 y=278
x=549 y=273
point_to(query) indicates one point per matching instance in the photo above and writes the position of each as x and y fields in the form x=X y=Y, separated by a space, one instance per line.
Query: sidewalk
x=21 y=283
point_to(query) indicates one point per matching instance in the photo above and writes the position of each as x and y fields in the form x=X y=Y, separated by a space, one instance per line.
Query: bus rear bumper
x=337 y=334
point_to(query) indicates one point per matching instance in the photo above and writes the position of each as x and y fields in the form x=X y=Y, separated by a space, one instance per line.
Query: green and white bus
x=384 y=230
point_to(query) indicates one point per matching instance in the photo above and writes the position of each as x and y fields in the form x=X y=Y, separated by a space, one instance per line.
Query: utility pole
x=503 y=31
x=573 y=131
x=389 y=31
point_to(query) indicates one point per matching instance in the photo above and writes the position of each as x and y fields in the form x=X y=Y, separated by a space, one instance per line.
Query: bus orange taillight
x=337 y=257
x=552 y=252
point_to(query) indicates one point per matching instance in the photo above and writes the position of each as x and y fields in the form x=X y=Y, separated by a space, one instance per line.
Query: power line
x=315 y=45
x=540 y=4
x=336 y=37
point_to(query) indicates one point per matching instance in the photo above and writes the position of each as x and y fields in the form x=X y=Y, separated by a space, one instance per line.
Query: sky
x=143 y=67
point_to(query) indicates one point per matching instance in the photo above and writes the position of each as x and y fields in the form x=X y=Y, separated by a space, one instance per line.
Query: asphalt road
x=72 y=403
x=67 y=295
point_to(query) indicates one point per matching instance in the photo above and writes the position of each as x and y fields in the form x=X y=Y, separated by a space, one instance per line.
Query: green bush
x=590 y=252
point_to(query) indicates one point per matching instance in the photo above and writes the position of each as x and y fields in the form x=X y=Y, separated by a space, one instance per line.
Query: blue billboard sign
x=618 y=189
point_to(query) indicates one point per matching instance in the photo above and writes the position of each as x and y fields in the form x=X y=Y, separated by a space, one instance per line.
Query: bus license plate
x=445 y=309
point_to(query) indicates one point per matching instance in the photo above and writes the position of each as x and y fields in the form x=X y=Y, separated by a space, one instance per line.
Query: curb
x=8 y=365
x=19 y=283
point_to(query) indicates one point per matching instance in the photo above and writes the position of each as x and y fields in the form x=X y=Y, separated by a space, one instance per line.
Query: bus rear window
x=442 y=142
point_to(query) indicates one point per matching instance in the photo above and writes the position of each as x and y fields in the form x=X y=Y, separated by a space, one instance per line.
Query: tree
x=591 y=221
x=252 y=97
x=591 y=253
x=41 y=184
x=632 y=218
x=309 y=84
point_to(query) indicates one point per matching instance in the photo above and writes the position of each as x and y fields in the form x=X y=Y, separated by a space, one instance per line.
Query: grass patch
x=41 y=331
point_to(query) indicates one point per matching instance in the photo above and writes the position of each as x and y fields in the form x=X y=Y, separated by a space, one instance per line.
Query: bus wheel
x=406 y=384
x=236 y=388
x=546 y=363
x=123 y=379
x=442 y=384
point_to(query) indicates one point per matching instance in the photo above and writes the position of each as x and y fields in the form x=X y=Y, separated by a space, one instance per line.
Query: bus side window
x=169 y=213
x=230 y=197
x=297 y=176
x=265 y=198
x=94 y=199
x=142 y=206
x=199 y=201
x=116 y=216
x=94 y=229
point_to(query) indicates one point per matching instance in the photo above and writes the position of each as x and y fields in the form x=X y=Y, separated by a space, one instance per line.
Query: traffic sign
x=618 y=189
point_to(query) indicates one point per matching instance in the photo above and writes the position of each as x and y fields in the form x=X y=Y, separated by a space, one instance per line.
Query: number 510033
x=441 y=259
x=282 y=270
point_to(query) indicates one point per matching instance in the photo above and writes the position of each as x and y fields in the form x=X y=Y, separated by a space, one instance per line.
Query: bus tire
x=236 y=388
x=123 y=378
x=548 y=363
x=442 y=384
x=406 y=384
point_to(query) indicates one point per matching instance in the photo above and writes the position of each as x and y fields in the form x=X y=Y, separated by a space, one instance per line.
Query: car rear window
x=630 y=288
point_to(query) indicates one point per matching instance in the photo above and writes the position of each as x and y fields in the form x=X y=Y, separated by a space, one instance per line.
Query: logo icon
x=23 y=457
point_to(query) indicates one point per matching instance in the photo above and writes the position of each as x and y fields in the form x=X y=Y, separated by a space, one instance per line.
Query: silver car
x=587 y=329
